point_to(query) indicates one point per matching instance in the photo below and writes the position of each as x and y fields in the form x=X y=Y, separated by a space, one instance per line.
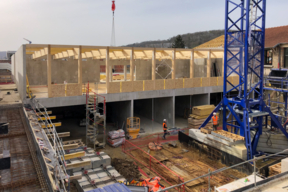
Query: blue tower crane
x=244 y=58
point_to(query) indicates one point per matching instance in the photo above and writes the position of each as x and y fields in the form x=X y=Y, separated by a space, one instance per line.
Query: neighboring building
x=276 y=43
x=5 y=56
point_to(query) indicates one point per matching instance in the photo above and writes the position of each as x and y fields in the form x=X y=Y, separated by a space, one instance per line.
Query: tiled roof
x=276 y=35
x=273 y=36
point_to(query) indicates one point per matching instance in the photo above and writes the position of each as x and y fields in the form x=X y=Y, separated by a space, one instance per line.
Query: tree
x=178 y=42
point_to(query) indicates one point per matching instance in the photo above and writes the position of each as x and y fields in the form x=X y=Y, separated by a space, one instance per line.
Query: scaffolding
x=95 y=118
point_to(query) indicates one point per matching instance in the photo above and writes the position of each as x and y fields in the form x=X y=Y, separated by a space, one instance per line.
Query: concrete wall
x=143 y=69
x=62 y=70
x=201 y=99
x=19 y=71
x=200 y=67
x=117 y=112
x=143 y=107
x=164 y=109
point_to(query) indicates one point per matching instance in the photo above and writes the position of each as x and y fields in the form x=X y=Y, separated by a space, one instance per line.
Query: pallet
x=227 y=135
x=203 y=110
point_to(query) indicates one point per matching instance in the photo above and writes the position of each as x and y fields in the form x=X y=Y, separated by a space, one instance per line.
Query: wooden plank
x=57 y=90
x=74 y=155
x=76 y=165
x=188 y=83
x=64 y=134
x=203 y=110
x=132 y=66
x=169 y=83
x=80 y=65
x=114 y=87
x=159 y=84
x=197 y=82
x=107 y=69
x=137 y=86
x=43 y=112
x=70 y=146
x=153 y=63
x=126 y=86
x=43 y=118
x=149 y=85
x=75 y=177
x=58 y=124
x=205 y=81
x=179 y=84
x=173 y=63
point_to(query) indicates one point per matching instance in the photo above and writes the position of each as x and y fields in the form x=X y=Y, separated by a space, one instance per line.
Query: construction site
x=78 y=118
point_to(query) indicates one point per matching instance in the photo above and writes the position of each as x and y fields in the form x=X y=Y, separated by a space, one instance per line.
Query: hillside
x=191 y=39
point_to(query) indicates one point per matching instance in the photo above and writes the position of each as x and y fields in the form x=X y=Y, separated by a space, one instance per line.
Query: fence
x=153 y=164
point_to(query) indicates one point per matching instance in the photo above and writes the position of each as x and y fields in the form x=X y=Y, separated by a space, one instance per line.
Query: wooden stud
x=125 y=72
x=49 y=68
x=80 y=66
x=173 y=63
x=223 y=66
x=75 y=177
x=74 y=155
x=209 y=64
x=107 y=69
x=153 y=63
x=132 y=65
x=192 y=64
x=46 y=158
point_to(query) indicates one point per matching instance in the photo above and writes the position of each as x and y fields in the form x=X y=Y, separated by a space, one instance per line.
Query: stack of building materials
x=274 y=169
x=199 y=115
x=226 y=144
x=116 y=138
x=99 y=173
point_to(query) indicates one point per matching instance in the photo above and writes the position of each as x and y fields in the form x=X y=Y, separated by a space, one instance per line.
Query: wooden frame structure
x=127 y=53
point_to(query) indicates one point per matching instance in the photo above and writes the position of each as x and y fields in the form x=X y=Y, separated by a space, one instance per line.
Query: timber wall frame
x=130 y=53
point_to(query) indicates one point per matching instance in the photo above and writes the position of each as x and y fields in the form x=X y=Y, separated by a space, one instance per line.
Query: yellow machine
x=133 y=127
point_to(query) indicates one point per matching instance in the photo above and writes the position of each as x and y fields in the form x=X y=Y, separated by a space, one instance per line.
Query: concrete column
x=208 y=98
x=107 y=69
x=49 y=60
x=132 y=108
x=173 y=63
x=125 y=72
x=164 y=109
x=132 y=65
x=192 y=64
x=80 y=66
x=152 y=109
x=153 y=63
x=209 y=64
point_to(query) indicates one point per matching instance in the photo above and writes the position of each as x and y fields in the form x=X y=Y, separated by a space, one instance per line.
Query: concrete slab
x=284 y=165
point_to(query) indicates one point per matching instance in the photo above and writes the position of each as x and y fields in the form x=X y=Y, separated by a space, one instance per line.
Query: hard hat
x=164 y=119
x=214 y=113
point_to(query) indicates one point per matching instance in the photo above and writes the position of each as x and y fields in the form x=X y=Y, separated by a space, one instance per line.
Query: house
x=276 y=43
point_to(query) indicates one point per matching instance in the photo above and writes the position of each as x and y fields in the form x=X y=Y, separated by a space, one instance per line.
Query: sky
x=89 y=22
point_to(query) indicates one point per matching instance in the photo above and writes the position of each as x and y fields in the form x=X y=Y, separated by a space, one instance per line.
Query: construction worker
x=164 y=128
x=215 y=121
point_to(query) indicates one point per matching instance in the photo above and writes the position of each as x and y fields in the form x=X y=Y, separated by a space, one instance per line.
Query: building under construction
x=91 y=118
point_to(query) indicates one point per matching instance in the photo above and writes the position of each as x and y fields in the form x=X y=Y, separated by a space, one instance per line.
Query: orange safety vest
x=164 y=126
x=215 y=120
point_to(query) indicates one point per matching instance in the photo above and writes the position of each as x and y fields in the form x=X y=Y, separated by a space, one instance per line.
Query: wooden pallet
x=229 y=135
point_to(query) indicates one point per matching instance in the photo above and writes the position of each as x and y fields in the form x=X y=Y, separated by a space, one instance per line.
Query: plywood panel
x=179 y=83
x=137 y=86
x=236 y=80
x=73 y=89
x=188 y=83
x=206 y=81
x=114 y=87
x=159 y=84
x=58 y=90
x=197 y=82
x=213 y=81
x=220 y=81
x=126 y=86
x=169 y=84
x=149 y=85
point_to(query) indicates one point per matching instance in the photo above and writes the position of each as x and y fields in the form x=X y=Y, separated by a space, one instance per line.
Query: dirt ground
x=183 y=161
